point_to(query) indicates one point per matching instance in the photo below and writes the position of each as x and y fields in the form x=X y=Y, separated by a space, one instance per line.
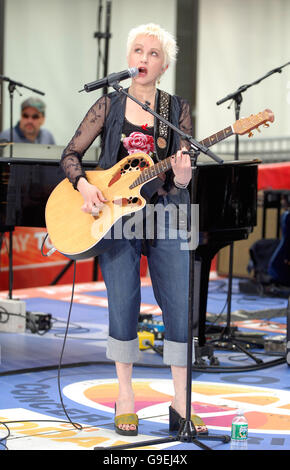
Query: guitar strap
x=162 y=142
x=162 y=132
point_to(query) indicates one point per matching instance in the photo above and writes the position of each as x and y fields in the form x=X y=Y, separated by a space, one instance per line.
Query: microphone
x=111 y=79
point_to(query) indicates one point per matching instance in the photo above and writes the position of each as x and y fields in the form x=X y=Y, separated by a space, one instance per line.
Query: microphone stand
x=187 y=431
x=12 y=84
x=228 y=332
x=107 y=36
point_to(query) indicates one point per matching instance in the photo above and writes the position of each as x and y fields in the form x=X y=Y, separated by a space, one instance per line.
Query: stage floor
x=32 y=389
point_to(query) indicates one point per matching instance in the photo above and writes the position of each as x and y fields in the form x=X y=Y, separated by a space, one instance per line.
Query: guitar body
x=79 y=235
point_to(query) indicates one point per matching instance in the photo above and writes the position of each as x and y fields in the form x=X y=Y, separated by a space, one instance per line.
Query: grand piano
x=226 y=194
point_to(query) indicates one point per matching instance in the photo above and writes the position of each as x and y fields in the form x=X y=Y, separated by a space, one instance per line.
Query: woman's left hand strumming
x=181 y=166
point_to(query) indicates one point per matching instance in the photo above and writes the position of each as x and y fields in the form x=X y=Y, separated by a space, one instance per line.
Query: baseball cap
x=36 y=103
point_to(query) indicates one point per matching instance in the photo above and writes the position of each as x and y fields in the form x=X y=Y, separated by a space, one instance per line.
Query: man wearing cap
x=28 y=130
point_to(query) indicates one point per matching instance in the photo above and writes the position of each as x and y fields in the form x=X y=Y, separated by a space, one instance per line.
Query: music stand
x=187 y=431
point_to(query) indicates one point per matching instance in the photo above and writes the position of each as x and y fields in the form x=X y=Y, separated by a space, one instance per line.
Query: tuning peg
x=258 y=129
x=250 y=134
x=266 y=124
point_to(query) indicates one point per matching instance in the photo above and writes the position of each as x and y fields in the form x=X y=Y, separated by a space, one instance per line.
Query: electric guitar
x=80 y=235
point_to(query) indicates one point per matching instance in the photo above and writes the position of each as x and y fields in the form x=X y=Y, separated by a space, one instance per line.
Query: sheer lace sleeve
x=185 y=122
x=89 y=129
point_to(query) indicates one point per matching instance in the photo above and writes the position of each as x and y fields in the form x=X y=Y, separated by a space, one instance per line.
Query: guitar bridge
x=131 y=201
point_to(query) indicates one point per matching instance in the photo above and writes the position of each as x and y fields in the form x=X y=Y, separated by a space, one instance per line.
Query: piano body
x=226 y=194
x=227 y=197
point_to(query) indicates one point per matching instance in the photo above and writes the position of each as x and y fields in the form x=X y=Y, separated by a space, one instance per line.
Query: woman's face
x=147 y=55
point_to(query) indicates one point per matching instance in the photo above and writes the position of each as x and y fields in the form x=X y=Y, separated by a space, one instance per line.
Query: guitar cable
x=76 y=425
x=49 y=253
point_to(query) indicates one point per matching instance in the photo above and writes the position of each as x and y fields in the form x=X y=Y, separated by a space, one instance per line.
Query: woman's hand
x=181 y=166
x=93 y=197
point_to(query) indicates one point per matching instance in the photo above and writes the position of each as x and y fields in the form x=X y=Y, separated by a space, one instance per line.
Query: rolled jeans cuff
x=123 y=351
x=175 y=354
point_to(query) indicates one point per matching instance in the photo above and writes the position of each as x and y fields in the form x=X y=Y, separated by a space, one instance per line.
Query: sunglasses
x=33 y=116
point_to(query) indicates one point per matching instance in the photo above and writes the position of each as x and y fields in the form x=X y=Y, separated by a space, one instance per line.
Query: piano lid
x=41 y=151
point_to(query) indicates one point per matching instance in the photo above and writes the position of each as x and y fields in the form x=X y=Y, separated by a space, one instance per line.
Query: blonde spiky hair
x=166 y=39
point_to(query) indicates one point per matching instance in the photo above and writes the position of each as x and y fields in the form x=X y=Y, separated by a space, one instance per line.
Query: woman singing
x=126 y=128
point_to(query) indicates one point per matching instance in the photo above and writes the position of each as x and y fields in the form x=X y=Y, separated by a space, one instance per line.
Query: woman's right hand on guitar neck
x=93 y=197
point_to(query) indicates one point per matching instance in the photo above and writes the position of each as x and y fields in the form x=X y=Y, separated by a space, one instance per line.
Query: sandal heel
x=175 y=419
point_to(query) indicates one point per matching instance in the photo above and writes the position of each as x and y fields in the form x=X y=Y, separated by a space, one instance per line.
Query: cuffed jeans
x=169 y=271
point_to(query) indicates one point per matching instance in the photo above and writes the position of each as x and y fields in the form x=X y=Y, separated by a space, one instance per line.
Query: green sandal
x=128 y=418
x=197 y=421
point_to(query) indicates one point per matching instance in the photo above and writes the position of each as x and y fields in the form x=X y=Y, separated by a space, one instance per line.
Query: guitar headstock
x=246 y=125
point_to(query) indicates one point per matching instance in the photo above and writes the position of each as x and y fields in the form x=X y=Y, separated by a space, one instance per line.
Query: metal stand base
x=187 y=433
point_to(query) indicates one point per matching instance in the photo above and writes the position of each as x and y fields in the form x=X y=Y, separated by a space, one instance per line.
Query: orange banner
x=32 y=269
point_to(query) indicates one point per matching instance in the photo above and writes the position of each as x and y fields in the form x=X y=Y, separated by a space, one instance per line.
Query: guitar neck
x=218 y=137
x=165 y=165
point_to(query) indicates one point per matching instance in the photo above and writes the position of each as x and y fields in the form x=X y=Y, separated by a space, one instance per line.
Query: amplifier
x=12 y=315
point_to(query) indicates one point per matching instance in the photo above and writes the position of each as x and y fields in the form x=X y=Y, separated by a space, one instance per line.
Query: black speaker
x=288 y=333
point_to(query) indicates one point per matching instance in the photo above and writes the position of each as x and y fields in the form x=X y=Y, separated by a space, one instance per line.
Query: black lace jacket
x=105 y=118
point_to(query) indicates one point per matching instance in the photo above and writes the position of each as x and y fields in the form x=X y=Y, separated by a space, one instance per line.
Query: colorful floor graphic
x=30 y=400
